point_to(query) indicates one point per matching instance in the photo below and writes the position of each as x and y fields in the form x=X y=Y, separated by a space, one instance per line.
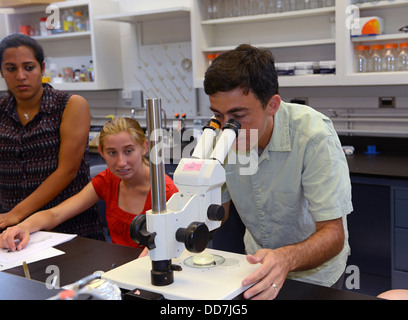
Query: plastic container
x=362 y=58
x=43 y=27
x=390 y=63
x=303 y=68
x=402 y=59
x=327 y=67
x=285 y=69
x=376 y=58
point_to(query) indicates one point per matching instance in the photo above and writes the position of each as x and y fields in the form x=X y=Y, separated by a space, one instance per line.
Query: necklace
x=27 y=116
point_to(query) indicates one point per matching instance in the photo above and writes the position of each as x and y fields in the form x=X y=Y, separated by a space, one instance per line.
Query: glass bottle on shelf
x=362 y=57
x=210 y=58
x=270 y=6
x=390 y=57
x=69 y=22
x=243 y=8
x=207 y=9
x=292 y=5
x=91 y=73
x=376 y=58
x=229 y=8
x=328 y=3
x=262 y=6
x=218 y=11
x=314 y=4
x=282 y=5
x=253 y=10
x=300 y=4
x=79 y=23
x=402 y=59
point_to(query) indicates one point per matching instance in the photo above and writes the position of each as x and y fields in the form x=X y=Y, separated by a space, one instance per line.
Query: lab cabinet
x=319 y=34
x=400 y=239
x=401 y=208
x=378 y=227
x=293 y=36
x=394 y=15
x=369 y=226
x=96 y=48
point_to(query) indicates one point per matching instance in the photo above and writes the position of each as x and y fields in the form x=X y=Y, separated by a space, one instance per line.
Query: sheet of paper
x=45 y=254
x=39 y=241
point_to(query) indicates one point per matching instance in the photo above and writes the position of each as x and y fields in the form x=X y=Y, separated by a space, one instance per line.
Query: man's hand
x=269 y=277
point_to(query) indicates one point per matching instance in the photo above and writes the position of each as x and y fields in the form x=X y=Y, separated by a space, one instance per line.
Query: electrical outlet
x=127 y=95
x=386 y=102
x=302 y=100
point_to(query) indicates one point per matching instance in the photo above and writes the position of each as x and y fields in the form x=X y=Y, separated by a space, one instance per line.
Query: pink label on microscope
x=192 y=166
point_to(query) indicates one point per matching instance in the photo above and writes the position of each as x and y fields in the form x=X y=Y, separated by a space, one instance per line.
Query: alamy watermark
x=353 y=16
x=53 y=20
x=352 y=278
x=53 y=280
x=171 y=146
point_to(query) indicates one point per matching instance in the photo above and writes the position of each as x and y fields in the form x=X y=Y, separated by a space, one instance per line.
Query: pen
x=26 y=271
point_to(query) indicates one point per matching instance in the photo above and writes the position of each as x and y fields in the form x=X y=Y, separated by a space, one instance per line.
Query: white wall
x=344 y=100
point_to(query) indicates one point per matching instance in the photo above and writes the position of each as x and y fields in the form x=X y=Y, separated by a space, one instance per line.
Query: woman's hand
x=7 y=219
x=10 y=235
x=144 y=253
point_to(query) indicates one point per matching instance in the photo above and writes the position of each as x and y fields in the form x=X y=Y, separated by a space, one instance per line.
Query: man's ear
x=273 y=105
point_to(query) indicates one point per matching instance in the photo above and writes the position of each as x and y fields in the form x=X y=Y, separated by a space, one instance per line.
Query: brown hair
x=123 y=124
x=247 y=68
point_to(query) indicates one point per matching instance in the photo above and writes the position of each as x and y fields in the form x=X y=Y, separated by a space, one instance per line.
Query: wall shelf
x=99 y=44
x=271 y=16
x=150 y=15
x=304 y=35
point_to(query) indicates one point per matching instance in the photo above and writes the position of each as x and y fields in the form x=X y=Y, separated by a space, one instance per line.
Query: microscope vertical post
x=161 y=273
x=157 y=181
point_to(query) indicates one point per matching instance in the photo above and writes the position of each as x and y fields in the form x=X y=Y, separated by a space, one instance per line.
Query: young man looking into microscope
x=294 y=206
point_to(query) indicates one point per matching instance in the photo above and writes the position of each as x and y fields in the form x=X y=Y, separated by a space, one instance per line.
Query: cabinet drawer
x=399 y=280
x=401 y=252
x=401 y=194
x=401 y=213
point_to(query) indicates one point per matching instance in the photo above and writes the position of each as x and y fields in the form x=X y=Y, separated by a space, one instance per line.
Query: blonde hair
x=123 y=124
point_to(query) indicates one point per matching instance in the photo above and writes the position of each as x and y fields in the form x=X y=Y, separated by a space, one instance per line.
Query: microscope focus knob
x=139 y=234
x=215 y=212
x=195 y=237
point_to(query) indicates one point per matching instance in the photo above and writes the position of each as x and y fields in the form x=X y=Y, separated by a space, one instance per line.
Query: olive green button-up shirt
x=301 y=177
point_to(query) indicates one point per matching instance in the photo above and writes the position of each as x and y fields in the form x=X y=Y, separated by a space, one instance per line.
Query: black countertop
x=84 y=256
x=380 y=165
x=391 y=162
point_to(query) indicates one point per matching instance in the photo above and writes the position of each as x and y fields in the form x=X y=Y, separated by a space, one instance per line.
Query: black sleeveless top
x=29 y=154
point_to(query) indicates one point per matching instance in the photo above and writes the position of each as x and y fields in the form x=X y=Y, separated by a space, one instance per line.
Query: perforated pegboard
x=165 y=72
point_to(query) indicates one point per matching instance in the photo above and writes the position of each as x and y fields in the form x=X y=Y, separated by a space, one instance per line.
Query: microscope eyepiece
x=212 y=124
x=232 y=124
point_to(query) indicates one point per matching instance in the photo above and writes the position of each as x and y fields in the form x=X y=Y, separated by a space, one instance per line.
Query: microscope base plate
x=220 y=282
